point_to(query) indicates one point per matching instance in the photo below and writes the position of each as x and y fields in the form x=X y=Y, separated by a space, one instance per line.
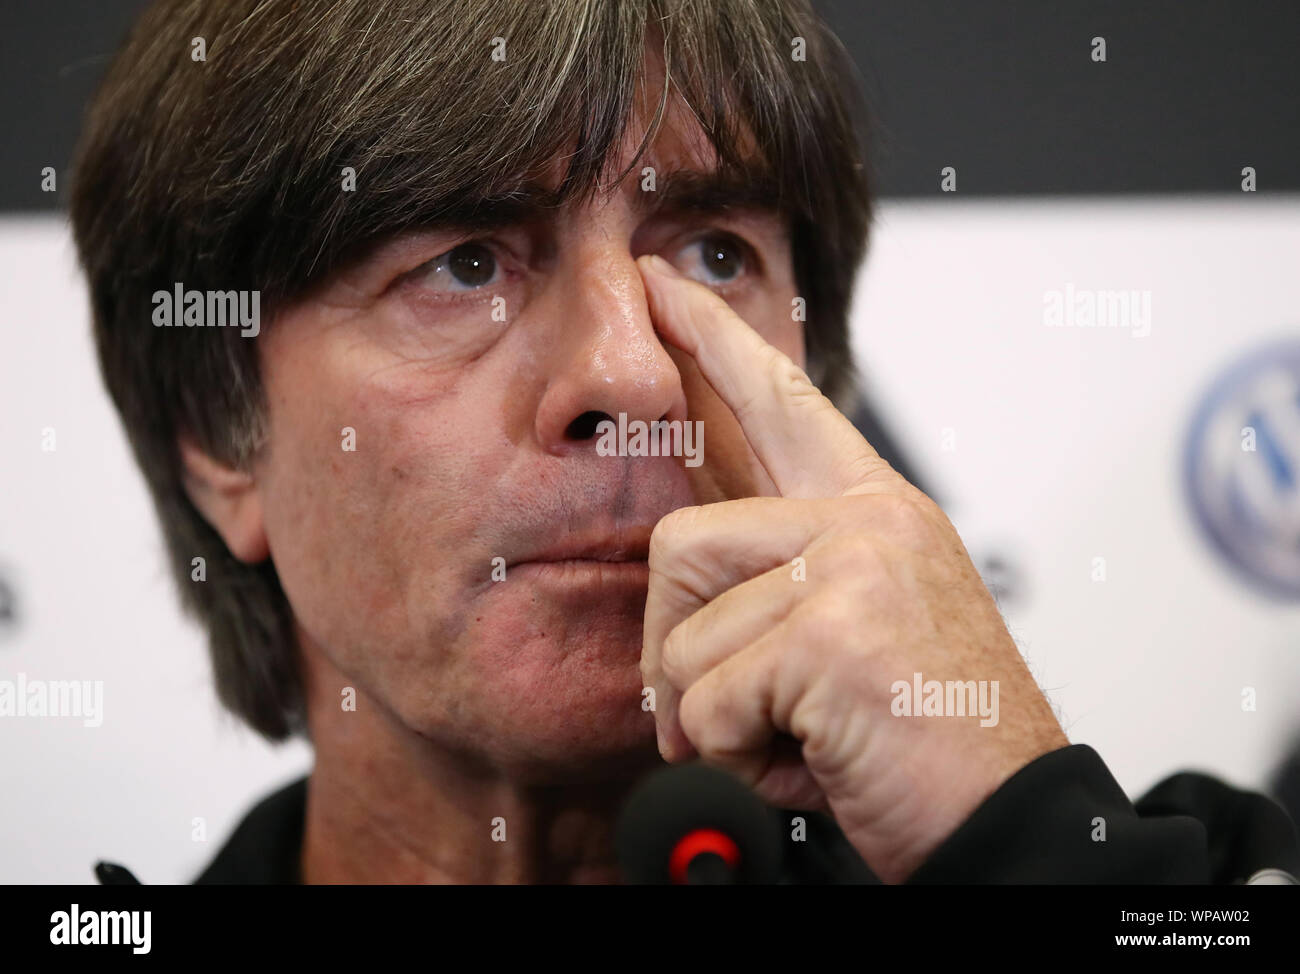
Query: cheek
x=319 y=498
x=365 y=487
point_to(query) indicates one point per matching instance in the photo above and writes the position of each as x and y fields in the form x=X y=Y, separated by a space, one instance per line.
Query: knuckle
x=672 y=533
x=863 y=468
x=857 y=557
x=909 y=519
x=793 y=382
x=787 y=382
x=826 y=649
x=827 y=621
x=693 y=715
x=674 y=656
x=857 y=570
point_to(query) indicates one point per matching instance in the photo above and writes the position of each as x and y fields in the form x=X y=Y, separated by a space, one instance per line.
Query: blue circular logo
x=1242 y=467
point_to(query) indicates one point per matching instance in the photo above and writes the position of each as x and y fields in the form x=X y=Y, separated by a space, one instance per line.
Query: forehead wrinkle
x=712 y=191
x=689 y=174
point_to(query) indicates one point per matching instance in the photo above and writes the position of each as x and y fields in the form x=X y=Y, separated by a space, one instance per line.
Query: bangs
x=459 y=109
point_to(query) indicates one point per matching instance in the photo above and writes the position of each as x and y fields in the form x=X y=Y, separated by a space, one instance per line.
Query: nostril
x=584 y=427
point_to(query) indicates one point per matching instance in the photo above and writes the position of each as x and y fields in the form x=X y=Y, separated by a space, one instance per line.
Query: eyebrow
x=693 y=191
x=677 y=191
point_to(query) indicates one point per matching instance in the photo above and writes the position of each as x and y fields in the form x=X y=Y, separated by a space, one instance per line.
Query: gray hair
x=225 y=173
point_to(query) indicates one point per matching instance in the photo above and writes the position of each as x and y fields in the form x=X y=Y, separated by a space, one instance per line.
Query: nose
x=606 y=358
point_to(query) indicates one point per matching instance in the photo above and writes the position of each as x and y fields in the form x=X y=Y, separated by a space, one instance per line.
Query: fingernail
x=665 y=751
x=661 y=266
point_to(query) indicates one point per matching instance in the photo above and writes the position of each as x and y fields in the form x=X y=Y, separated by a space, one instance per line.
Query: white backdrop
x=1049 y=446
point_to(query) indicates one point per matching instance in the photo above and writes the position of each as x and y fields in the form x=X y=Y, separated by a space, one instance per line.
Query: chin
x=584 y=739
x=601 y=758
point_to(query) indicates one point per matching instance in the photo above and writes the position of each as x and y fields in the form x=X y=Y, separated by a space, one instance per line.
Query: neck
x=386 y=805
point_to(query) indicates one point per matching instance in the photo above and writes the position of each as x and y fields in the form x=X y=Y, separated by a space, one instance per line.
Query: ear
x=228 y=499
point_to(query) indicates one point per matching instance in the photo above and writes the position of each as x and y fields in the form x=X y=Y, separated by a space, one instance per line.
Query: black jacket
x=1041 y=826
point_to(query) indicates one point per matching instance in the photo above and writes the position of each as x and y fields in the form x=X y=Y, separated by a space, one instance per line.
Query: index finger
x=808 y=447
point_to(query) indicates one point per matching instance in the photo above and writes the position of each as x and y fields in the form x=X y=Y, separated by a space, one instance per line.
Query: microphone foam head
x=676 y=801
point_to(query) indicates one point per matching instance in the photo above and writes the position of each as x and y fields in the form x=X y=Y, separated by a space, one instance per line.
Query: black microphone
x=111 y=874
x=695 y=825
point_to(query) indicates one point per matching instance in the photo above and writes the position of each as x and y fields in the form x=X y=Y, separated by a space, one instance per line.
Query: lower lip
x=584 y=572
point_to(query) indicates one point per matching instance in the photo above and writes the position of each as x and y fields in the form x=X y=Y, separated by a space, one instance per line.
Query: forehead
x=664 y=160
x=662 y=131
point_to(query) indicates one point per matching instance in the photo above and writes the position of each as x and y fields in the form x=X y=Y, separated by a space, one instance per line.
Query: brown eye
x=471 y=264
x=722 y=258
x=466 y=267
x=713 y=260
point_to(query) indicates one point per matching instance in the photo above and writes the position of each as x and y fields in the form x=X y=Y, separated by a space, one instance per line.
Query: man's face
x=475 y=440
